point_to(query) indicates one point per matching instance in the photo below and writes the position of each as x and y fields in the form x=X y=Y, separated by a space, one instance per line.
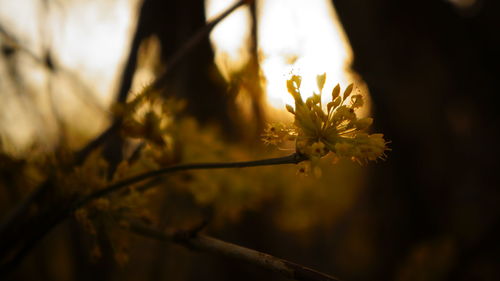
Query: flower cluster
x=338 y=129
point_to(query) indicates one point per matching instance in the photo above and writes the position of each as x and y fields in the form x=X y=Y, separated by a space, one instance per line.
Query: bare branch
x=218 y=247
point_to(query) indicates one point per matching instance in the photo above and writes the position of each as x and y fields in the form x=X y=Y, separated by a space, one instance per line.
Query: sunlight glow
x=294 y=37
x=303 y=38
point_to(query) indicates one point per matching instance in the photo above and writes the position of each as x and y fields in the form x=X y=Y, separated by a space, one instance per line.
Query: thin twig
x=294 y=158
x=215 y=246
x=12 y=44
x=131 y=62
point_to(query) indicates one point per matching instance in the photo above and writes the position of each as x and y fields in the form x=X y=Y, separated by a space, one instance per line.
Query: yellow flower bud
x=320 y=80
x=348 y=91
x=335 y=92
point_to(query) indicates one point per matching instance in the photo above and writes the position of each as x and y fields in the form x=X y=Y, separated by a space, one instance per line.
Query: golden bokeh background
x=426 y=68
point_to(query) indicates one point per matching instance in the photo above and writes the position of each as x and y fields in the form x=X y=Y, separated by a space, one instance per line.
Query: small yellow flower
x=338 y=130
x=314 y=151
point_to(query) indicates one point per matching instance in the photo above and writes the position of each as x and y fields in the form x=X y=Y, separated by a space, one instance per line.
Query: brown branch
x=218 y=247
